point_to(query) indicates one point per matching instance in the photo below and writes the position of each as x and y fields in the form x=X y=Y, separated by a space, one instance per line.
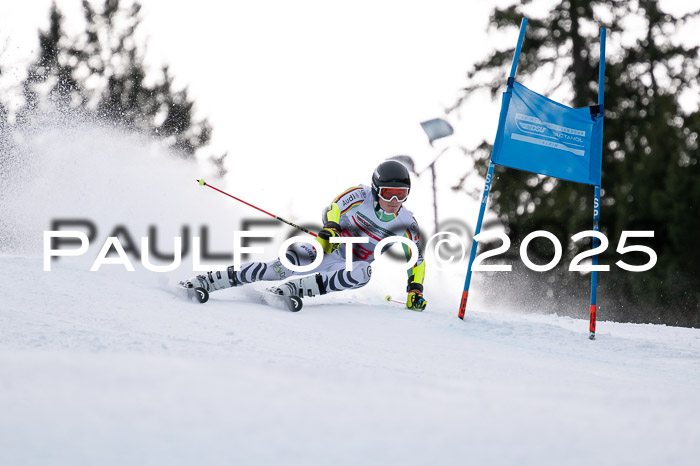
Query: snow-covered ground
x=103 y=369
x=111 y=368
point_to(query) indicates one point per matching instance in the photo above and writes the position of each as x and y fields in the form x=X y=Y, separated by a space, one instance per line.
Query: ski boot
x=291 y=291
x=201 y=285
x=309 y=286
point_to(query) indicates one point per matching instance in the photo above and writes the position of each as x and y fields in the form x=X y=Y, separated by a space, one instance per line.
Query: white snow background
x=111 y=368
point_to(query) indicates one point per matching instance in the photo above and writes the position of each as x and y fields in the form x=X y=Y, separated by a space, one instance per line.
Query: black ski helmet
x=390 y=173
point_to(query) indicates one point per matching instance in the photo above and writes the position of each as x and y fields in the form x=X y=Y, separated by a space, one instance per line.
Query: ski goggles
x=387 y=193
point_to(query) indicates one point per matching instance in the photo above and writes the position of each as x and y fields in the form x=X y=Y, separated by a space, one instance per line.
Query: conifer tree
x=650 y=156
x=101 y=71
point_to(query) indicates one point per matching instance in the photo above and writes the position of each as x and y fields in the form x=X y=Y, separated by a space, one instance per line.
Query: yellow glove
x=331 y=229
x=415 y=301
x=324 y=237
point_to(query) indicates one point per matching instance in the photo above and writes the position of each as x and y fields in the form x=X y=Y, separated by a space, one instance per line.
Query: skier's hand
x=415 y=301
x=325 y=235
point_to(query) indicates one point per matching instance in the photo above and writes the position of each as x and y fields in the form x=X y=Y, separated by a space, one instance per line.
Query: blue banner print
x=546 y=137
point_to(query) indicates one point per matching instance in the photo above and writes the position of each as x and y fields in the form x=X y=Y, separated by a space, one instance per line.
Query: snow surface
x=112 y=368
x=101 y=369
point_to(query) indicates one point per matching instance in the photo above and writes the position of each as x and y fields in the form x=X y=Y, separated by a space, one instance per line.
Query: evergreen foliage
x=101 y=72
x=651 y=174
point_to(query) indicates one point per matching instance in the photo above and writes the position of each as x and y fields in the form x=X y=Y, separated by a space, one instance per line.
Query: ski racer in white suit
x=374 y=212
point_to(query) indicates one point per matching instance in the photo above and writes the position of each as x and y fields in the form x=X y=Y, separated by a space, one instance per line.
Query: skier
x=374 y=212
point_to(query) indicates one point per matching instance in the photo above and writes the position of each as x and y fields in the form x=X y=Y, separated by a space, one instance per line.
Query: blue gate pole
x=489 y=176
x=594 y=261
x=596 y=196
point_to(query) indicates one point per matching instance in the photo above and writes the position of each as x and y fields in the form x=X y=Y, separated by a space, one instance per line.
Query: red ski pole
x=204 y=183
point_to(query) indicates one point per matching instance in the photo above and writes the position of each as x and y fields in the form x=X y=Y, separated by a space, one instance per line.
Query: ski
x=292 y=303
x=201 y=295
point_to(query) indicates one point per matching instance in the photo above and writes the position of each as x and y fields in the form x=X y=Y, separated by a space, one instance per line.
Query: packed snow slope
x=112 y=368
x=106 y=369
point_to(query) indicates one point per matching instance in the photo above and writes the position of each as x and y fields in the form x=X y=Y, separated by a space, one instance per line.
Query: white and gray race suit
x=360 y=216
